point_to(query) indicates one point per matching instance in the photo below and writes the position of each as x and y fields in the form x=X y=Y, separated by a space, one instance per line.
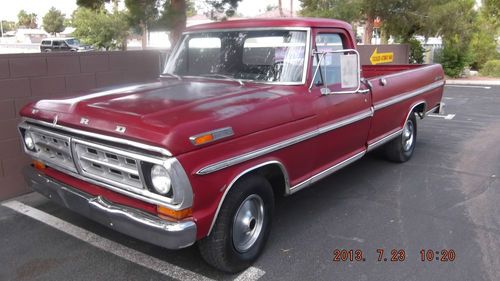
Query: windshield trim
x=306 y=53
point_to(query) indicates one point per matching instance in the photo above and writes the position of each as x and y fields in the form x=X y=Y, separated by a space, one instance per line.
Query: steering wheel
x=276 y=70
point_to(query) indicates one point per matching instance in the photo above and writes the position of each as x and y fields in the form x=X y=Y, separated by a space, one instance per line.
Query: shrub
x=484 y=44
x=491 y=68
x=416 y=51
x=455 y=56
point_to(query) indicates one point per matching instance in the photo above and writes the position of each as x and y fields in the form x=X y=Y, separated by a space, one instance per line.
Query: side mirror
x=346 y=71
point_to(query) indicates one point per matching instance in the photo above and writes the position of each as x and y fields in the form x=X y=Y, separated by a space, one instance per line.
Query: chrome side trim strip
x=277 y=146
x=346 y=122
x=325 y=173
x=231 y=184
x=156 y=149
x=408 y=95
x=384 y=140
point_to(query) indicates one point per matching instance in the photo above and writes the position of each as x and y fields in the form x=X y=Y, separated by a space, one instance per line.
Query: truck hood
x=167 y=112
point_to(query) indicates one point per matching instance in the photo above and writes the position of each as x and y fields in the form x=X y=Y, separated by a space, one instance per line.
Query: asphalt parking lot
x=445 y=198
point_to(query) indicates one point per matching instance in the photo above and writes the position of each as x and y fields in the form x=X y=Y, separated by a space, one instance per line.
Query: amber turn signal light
x=203 y=139
x=167 y=213
x=38 y=165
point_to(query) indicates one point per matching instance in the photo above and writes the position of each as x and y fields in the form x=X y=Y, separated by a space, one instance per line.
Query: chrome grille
x=93 y=158
x=108 y=164
x=53 y=148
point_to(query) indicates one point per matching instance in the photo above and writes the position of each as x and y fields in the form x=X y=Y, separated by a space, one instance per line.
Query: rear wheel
x=242 y=227
x=401 y=148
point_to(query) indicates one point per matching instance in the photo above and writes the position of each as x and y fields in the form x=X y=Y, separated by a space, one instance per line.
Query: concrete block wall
x=29 y=77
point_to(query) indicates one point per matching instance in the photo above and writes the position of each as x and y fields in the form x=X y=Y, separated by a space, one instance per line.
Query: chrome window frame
x=307 y=52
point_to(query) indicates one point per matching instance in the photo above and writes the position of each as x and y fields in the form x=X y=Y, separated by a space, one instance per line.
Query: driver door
x=345 y=117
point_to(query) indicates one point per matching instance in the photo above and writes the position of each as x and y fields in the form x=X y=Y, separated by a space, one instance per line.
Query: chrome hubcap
x=408 y=136
x=248 y=222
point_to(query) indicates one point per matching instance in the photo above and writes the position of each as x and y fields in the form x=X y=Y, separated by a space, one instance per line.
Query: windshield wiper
x=217 y=75
x=171 y=75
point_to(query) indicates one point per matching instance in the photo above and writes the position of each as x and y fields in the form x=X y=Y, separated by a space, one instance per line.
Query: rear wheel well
x=419 y=109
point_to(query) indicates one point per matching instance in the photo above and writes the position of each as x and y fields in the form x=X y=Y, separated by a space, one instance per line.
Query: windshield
x=256 y=55
x=73 y=42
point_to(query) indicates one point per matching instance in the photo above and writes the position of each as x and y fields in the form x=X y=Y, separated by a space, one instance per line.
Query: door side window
x=330 y=64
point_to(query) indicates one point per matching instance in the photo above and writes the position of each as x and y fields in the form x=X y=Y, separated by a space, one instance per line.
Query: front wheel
x=401 y=148
x=242 y=227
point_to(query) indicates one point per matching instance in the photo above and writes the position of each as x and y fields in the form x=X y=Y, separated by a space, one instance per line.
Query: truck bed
x=370 y=71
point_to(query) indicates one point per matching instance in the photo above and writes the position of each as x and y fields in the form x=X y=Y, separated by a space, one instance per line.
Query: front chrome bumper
x=129 y=221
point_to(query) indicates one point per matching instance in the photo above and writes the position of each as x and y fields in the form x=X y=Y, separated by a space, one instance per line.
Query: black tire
x=399 y=150
x=219 y=248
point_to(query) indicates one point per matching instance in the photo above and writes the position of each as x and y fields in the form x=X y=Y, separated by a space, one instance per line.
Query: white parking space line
x=120 y=250
x=446 y=117
x=468 y=86
x=250 y=274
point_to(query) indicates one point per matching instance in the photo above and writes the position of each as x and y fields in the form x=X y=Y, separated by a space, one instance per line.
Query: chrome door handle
x=365 y=91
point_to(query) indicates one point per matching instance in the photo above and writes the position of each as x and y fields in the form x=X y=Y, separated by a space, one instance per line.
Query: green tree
x=53 y=21
x=483 y=42
x=92 y=4
x=161 y=14
x=7 y=26
x=454 y=56
x=27 y=20
x=144 y=14
x=347 y=10
x=100 y=28
x=222 y=9
x=492 y=9
x=416 y=51
x=174 y=14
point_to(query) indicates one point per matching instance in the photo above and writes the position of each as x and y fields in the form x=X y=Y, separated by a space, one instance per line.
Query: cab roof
x=271 y=22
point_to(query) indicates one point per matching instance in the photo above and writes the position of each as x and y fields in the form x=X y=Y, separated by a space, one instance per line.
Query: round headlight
x=28 y=140
x=160 y=179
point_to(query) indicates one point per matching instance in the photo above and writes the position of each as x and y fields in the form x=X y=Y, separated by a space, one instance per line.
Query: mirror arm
x=323 y=54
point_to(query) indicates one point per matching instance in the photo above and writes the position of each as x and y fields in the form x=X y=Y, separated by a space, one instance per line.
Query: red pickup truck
x=245 y=111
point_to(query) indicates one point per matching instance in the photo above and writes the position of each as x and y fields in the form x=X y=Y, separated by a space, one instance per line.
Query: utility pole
x=291 y=8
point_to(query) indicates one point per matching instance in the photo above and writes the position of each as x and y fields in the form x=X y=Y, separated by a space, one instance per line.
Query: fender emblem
x=84 y=121
x=120 y=129
x=54 y=123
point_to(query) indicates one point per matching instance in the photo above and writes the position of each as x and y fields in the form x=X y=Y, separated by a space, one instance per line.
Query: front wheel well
x=274 y=173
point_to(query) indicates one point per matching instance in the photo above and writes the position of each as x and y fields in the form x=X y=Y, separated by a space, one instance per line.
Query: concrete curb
x=473 y=82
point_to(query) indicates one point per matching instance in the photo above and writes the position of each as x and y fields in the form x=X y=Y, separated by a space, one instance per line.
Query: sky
x=10 y=8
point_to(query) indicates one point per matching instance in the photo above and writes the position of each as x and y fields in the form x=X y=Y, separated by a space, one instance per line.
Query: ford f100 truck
x=245 y=111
